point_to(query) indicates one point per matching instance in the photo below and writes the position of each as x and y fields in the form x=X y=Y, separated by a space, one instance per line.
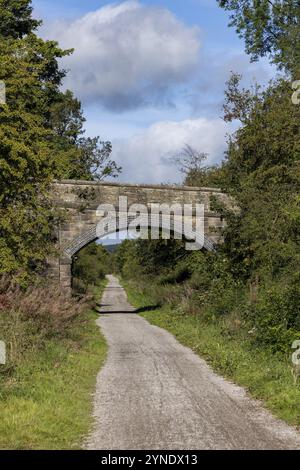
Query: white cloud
x=126 y=55
x=206 y=95
x=145 y=157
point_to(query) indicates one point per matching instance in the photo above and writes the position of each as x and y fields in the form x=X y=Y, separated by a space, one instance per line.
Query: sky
x=151 y=76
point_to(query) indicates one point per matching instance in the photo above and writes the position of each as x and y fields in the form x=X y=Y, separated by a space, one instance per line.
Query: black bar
x=136 y=459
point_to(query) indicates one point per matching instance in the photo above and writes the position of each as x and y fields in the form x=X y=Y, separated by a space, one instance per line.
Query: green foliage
x=276 y=315
x=249 y=274
x=89 y=267
x=211 y=177
x=156 y=256
x=262 y=172
x=124 y=260
x=227 y=346
x=151 y=258
x=180 y=273
x=269 y=134
x=28 y=161
x=254 y=276
x=269 y=28
x=15 y=18
x=54 y=351
x=41 y=138
x=81 y=157
x=190 y=162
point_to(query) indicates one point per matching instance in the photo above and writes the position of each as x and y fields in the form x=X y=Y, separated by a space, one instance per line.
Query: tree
x=94 y=161
x=15 y=18
x=262 y=172
x=239 y=103
x=27 y=159
x=270 y=28
x=254 y=276
x=270 y=133
x=89 y=267
x=191 y=163
x=82 y=157
x=41 y=138
x=190 y=160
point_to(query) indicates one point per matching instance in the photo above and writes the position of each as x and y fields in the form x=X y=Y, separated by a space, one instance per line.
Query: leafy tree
x=254 y=276
x=262 y=172
x=269 y=28
x=148 y=257
x=82 y=157
x=41 y=138
x=270 y=133
x=89 y=267
x=190 y=160
x=155 y=256
x=15 y=18
x=191 y=164
x=27 y=159
x=262 y=239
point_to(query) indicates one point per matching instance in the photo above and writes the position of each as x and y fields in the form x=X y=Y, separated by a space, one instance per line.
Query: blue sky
x=151 y=76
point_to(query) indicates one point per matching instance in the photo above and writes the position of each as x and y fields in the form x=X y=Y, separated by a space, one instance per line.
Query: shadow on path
x=149 y=308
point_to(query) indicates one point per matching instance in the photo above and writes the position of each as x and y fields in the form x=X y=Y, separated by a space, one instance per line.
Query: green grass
x=266 y=376
x=47 y=402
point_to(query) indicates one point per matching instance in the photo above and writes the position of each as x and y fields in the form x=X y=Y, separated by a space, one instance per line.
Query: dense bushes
x=275 y=316
x=29 y=318
x=203 y=284
x=89 y=267
x=54 y=352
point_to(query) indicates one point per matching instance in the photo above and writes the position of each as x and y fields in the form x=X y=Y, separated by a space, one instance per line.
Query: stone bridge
x=81 y=199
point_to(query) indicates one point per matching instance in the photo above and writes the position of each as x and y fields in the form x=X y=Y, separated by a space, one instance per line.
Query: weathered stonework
x=81 y=200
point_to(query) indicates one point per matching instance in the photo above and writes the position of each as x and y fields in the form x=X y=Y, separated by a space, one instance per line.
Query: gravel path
x=154 y=393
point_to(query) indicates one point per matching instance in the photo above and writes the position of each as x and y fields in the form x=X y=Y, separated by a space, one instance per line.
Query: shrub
x=79 y=286
x=28 y=318
x=179 y=274
x=89 y=267
x=276 y=316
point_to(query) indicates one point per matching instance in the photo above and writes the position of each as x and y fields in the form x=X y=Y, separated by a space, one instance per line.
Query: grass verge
x=46 y=402
x=265 y=375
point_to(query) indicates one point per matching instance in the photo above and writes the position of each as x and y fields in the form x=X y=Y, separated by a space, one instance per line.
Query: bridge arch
x=81 y=199
x=93 y=234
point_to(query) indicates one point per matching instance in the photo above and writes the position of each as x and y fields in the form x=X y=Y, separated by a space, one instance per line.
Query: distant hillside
x=111 y=248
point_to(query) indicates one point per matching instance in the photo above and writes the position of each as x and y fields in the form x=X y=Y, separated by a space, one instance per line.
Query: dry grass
x=54 y=351
x=29 y=318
